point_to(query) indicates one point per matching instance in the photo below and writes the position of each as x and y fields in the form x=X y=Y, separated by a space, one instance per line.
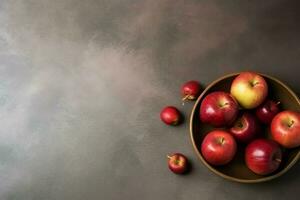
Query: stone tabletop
x=82 y=84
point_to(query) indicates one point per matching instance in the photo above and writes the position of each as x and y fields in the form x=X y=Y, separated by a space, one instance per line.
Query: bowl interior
x=237 y=170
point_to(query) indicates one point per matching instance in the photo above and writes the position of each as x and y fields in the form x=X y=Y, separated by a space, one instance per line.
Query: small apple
x=190 y=90
x=245 y=128
x=263 y=156
x=170 y=115
x=267 y=111
x=218 y=147
x=218 y=109
x=177 y=163
x=285 y=128
x=249 y=89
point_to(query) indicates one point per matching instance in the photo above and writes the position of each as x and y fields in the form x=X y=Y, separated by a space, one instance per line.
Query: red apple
x=267 y=111
x=177 y=163
x=249 y=89
x=170 y=115
x=190 y=90
x=263 y=156
x=285 y=128
x=218 y=109
x=245 y=128
x=218 y=147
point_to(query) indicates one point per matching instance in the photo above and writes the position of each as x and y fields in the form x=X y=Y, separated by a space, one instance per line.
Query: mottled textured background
x=82 y=84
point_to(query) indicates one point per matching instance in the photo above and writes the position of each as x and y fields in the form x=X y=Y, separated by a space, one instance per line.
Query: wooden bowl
x=236 y=170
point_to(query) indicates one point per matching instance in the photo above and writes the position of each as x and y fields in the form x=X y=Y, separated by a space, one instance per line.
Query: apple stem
x=239 y=123
x=291 y=123
x=253 y=83
x=185 y=97
x=223 y=104
x=278 y=160
x=169 y=157
x=222 y=140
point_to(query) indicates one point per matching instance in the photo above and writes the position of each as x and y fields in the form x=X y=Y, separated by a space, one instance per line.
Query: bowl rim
x=240 y=180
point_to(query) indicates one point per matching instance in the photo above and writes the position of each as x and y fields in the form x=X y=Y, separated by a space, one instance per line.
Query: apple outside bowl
x=236 y=170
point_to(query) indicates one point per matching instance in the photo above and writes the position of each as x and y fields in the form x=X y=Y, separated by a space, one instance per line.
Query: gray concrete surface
x=82 y=84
